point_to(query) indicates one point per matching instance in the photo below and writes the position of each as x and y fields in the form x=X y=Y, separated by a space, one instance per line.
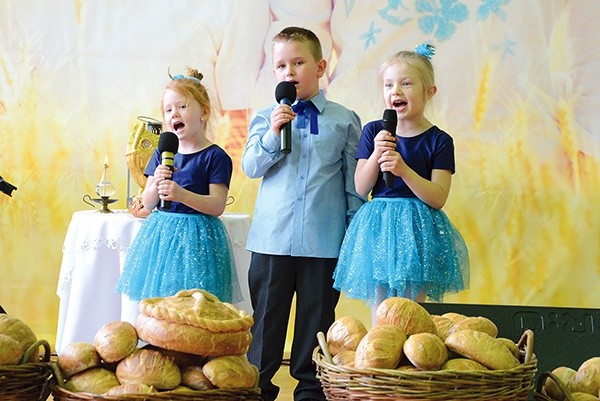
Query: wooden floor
x=286 y=383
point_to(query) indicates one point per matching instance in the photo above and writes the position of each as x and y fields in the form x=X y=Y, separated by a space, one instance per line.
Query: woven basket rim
x=344 y=382
x=60 y=393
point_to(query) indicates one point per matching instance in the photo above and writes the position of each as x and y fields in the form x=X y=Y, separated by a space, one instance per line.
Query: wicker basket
x=29 y=381
x=344 y=383
x=235 y=394
x=538 y=394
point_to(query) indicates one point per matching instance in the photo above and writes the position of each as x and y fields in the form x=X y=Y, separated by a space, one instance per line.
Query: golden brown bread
x=231 y=371
x=481 y=347
x=345 y=358
x=426 y=351
x=194 y=378
x=587 y=377
x=478 y=323
x=345 y=334
x=442 y=325
x=381 y=348
x=406 y=314
x=194 y=322
x=462 y=364
x=150 y=368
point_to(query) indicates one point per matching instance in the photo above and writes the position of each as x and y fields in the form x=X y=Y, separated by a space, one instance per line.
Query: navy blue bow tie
x=305 y=109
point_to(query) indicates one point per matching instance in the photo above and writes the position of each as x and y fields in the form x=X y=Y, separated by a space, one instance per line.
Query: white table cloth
x=94 y=252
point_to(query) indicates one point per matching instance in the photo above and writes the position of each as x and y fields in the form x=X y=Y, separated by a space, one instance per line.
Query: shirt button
x=304 y=156
x=301 y=177
x=299 y=199
x=305 y=135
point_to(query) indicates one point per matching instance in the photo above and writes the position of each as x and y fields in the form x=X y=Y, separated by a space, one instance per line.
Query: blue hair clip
x=180 y=76
x=425 y=49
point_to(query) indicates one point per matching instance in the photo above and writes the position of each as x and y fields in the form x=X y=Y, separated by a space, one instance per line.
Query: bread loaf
x=231 y=371
x=478 y=323
x=587 y=377
x=443 y=325
x=381 y=348
x=481 y=347
x=77 y=357
x=150 y=368
x=462 y=364
x=115 y=340
x=426 y=351
x=194 y=378
x=345 y=334
x=406 y=314
x=194 y=322
x=552 y=389
x=345 y=358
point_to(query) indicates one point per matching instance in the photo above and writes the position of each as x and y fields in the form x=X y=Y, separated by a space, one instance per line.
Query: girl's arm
x=213 y=204
x=367 y=170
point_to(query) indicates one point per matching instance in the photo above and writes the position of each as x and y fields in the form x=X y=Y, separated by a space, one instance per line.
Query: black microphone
x=285 y=93
x=168 y=143
x=390 y=120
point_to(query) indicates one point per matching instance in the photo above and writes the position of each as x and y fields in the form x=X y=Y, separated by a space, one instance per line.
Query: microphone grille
x=168 y=142
x=390 y=119
x=285 y=90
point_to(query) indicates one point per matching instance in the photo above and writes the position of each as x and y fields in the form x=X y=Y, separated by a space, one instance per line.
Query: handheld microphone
x=168 y=143
x=6 y=187
x=390 y=120
x=285 y=93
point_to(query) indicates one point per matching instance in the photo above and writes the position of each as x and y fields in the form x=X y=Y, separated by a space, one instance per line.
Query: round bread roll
x=442 y=325
x=481 y=347
x=77 y=357
x=231 y=371
x=426 y=351
x=20 y=331
x=345 y=334
x=510 y=344
x=381 y=348
x=552 y=389
x=115 y=340
x=587 y=377
x=406 y=314
x=11 y=351
x=150 y=368
x=194 y=322
x=478 y=323
x=94 y=380
x=194 y=378
x=345 y=358
x=182 y=359
x=455 y=317
x=462 y=364
x=577 y=396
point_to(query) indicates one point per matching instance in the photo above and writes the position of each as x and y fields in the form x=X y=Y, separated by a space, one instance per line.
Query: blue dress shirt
x=306 y=198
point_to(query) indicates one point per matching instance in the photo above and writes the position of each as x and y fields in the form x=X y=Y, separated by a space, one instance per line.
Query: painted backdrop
x=518 y=89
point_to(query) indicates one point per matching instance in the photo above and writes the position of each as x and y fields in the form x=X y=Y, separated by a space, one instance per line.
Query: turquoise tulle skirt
x=406 y=248
x=177 y=251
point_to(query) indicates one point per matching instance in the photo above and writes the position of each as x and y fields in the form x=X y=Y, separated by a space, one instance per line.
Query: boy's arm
x=353 y=199
x=262 y=148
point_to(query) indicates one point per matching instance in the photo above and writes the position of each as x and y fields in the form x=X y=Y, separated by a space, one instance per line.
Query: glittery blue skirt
x=177 y=251
x=406 y=248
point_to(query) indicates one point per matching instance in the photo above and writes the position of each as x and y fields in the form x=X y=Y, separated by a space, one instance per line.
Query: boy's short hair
x=301 y=35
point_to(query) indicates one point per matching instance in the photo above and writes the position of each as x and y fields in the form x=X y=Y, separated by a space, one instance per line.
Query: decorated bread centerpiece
x=195 y=322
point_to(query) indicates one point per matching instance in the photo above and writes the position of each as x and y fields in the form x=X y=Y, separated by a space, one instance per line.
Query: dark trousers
x=273 y=281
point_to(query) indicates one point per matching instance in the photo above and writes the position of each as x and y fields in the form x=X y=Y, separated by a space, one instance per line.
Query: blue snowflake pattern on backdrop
x=505 y=48
x=390 y=12
x=489 y=7
x=369 y=37
x=349 y=4
x=445 y=14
